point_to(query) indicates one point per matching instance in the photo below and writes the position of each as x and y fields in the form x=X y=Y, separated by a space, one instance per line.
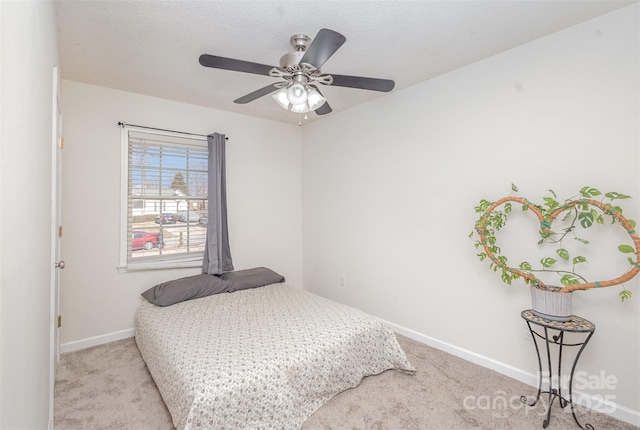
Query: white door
x=56 y=236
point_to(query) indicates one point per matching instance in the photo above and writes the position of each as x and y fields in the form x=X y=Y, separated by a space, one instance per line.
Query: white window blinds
x=165 y=199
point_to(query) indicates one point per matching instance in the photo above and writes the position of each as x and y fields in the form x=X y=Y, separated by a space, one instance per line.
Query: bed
x=259 y=358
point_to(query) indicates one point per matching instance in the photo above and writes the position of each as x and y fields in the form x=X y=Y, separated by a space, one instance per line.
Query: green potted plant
x=589 y=207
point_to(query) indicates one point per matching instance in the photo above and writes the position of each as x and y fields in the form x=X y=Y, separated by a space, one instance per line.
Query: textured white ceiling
x=152 y=47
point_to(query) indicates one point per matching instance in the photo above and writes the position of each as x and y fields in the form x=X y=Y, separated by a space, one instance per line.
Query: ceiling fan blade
x=373 y=84
x=323 y=47
x=256 y=94
x=235 y=65
x=324 y=109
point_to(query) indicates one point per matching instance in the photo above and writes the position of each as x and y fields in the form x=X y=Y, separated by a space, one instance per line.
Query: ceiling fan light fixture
x=300 y=108
x=311 y=99
x=315 y=99
x=281 y=98
x=296 y=93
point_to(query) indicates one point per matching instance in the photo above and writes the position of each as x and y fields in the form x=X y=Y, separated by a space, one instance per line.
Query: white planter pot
x=550 y=304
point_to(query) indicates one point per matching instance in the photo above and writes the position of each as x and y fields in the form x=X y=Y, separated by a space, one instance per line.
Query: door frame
x=56 y=174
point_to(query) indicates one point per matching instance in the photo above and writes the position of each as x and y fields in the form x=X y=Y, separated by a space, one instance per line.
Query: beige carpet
x=109 y=387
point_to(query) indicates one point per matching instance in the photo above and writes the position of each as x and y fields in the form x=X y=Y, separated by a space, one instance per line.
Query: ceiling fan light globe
x=297 y=93
x=281 y=98
x=315 y=99
x=300 y=108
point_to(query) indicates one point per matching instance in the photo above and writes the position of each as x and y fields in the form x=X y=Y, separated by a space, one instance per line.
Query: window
x=164 y=199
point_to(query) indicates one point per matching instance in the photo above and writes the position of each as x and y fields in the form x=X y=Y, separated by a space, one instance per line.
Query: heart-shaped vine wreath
x=494 y=215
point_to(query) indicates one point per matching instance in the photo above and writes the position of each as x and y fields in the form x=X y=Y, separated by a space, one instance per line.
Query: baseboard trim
x=617 y=411
x=96 y=340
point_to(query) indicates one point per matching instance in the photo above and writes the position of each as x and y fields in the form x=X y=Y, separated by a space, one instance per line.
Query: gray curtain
x=217 y=254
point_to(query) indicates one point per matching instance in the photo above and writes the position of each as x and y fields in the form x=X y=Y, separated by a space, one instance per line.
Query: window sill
x=158 y=266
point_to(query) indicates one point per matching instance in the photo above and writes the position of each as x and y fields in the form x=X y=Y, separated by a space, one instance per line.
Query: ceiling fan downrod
x=291 y=60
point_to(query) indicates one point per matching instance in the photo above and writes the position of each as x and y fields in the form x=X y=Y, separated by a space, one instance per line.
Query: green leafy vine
x=581 y=210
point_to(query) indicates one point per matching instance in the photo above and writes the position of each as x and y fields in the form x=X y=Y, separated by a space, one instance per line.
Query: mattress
x=264 y=358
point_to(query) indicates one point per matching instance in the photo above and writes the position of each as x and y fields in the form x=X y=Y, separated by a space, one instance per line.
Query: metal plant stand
x=553 y=333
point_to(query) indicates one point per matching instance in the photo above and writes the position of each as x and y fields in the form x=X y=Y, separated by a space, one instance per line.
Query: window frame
x=126 y=264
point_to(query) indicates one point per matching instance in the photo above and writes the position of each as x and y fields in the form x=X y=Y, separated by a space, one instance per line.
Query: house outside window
x=164 y=199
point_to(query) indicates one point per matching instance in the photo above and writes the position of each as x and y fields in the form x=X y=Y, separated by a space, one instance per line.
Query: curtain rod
x=122 y=124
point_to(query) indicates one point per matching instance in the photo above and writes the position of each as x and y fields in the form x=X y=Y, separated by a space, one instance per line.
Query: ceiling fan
x=300 y=73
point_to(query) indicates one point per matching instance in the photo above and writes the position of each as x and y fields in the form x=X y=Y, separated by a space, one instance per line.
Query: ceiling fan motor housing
x=290 y=60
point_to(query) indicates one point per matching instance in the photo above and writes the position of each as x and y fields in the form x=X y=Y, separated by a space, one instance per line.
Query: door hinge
x=59 y=231
x=59 y=321
x=61 y=142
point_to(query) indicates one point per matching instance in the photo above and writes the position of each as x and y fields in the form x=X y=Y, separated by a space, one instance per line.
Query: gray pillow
x=251 y=278
x=191 y=287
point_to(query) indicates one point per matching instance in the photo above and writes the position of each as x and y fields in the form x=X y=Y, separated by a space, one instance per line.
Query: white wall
x=389 y=190
x=263 y=194
x=28 y=55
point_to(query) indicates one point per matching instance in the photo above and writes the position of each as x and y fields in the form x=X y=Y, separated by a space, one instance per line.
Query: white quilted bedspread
x=264 y=358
